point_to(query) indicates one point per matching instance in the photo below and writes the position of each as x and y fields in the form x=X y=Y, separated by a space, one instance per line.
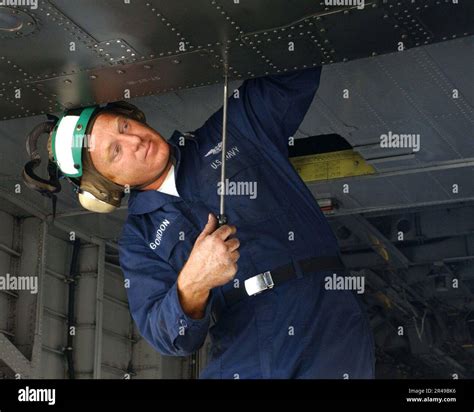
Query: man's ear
x=128 y=110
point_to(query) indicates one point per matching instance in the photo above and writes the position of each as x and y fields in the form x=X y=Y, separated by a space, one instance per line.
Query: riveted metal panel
x=53 y=366
x=48 y=49
x=24 y=100
x=116 y=318
x=86 y=52
x=6 y=234
x=10 y=73
x=251 y=16
x=58 y=255
x=402 y=189
x=83 y=352
x=432 y=14
x=4 y=309
x=6 y=238
x=198 y=24
x=456 y=185
x=54 y=331
x=116 y=352
x=133 y=21
x=108 y=84
x=108 y=373
x=289 y=51
x=55 y=293
x=88 y=259
x=86 y=292
x=114 y=286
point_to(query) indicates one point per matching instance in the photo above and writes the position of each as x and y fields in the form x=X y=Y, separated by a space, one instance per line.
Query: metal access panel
x=62 y=54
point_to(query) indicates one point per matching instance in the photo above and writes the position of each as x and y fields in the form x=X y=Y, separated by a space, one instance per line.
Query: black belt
x=273 y=278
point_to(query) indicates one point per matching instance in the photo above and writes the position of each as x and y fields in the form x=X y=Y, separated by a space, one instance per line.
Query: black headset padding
x=31 y=179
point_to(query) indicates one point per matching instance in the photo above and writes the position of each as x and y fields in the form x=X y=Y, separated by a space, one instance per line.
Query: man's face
x=126 y=151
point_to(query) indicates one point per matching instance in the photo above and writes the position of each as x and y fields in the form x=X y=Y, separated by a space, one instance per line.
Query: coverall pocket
x=252 y=191
x=254 y=195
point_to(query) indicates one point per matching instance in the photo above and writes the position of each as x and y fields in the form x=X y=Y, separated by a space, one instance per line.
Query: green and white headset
x=69 y=158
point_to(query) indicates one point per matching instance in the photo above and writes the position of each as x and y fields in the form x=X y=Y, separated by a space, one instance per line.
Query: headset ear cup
x=90 y=202
x=97 y=193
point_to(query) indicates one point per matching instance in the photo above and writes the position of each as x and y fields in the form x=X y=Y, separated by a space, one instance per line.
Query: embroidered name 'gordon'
x=159 y=234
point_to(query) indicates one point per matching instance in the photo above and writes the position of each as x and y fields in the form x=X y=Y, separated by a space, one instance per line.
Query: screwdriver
x=222 y=218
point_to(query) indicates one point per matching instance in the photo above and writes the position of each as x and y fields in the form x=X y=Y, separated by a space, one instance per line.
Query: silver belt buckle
x=258 y=283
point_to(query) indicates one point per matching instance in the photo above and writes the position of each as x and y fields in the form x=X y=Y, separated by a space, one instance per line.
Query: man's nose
x=131 y=141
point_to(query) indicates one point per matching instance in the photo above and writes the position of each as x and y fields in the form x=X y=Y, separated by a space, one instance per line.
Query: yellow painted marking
x=333 y=165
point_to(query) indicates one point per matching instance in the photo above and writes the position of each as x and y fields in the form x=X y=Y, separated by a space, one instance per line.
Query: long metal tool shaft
x=222 y=218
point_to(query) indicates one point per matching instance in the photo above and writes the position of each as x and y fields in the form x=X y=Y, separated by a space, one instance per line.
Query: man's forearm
x=192 y=296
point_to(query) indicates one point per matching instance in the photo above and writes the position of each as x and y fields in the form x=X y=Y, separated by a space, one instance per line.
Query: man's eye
x=125 y=126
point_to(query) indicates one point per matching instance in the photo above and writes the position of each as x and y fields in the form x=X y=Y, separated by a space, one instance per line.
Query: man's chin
x=152 y=182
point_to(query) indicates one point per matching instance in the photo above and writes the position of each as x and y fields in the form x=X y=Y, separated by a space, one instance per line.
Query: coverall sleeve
x=270 y=109
x=154 y=302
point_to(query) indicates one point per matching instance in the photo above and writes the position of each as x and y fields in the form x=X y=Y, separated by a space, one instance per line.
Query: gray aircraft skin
x=396 y=89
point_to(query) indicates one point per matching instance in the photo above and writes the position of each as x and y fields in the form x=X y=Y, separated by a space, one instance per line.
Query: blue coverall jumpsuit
x=295 y=330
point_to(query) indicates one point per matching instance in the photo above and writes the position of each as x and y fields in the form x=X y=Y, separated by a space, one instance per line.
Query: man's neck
x=158 y=182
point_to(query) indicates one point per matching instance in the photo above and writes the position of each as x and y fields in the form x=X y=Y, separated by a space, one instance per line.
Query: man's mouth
x=149 y=150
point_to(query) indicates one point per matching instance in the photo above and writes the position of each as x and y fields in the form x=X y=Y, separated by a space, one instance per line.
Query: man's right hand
x=212 y=263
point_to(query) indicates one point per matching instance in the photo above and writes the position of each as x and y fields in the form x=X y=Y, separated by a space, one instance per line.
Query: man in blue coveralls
x=256 y=284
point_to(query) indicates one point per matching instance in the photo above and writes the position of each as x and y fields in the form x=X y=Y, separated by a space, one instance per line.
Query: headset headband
x=68 y=140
